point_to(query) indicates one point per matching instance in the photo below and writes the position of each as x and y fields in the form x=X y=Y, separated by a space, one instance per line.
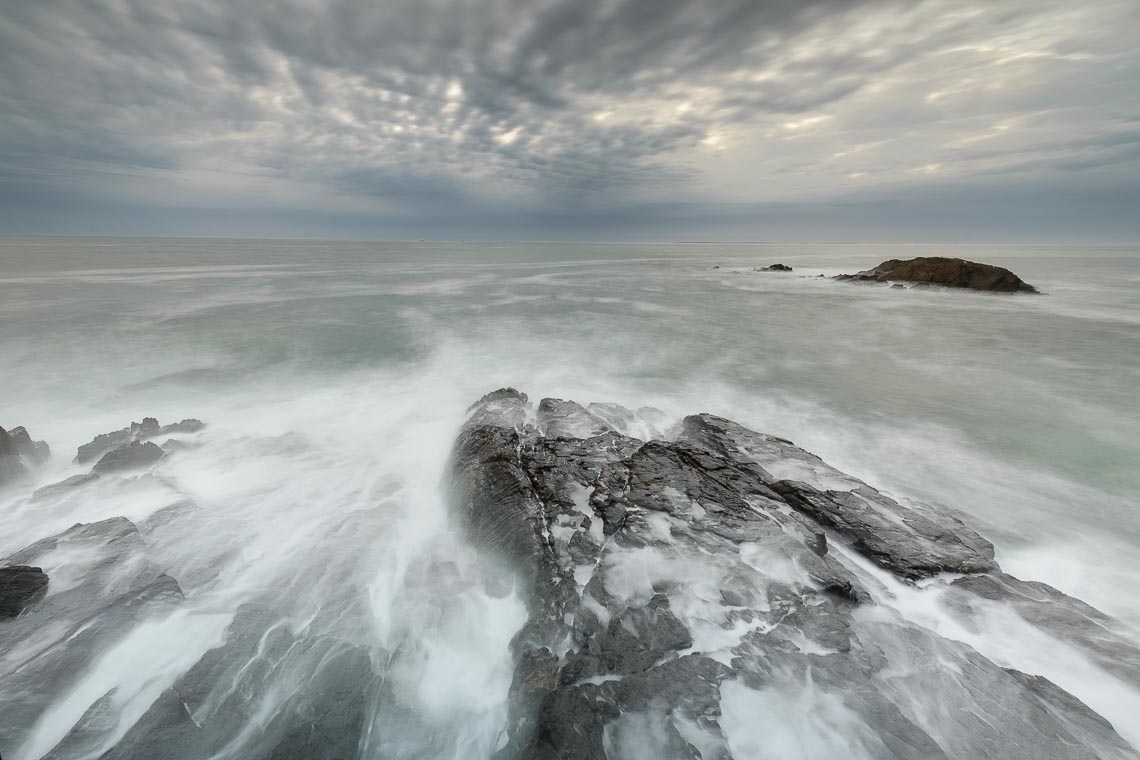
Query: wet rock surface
x=102 y=583
x=674 y=586
x=695 y=590
x=129 y=456
x=20 y=587
x=947 y=272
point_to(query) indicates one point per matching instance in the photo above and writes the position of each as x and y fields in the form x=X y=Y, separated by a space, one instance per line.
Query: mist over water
x=334 y=377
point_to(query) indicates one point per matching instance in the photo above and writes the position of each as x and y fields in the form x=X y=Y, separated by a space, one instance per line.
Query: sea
x=334 y=376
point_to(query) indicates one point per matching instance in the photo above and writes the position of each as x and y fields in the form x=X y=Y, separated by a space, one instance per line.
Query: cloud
x=538 y=110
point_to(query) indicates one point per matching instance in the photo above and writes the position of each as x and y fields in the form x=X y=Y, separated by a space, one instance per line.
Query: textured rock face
x=951 y=273
x=674 y=586
x=129 y=456
x=20 y=587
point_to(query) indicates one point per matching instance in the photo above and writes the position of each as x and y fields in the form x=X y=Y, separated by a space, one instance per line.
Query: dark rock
x=137 y=431
x=20 y=587
x=776 y=268
x=185 y=426
x=948 y=272
x=913 y=541
x=129 y=456
x=19 y=454
x=670 y=571
x=11 y=468
x=102 y=444
x=34 y=453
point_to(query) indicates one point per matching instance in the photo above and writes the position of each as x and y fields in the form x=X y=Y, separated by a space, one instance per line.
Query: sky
x=793 y=120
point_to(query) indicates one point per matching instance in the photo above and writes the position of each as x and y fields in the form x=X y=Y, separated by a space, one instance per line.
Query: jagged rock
x=913 y=541
x=670 y=583
x=34 y=453
x=137 y=431
x=11 y=468
x=19 y=453
x=948 y=272
x=20 y=587
x=102 y=444
x=776 y=268
x=129 y=456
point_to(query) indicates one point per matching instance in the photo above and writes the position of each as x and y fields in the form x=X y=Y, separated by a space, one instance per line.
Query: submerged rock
x=674 y=585
x=20 y=587
x=948 y=272
x=63 y=486
x=103 y=584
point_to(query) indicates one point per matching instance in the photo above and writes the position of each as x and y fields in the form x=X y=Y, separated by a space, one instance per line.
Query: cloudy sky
x=958 y=120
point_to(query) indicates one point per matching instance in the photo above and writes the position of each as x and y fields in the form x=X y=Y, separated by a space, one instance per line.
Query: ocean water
x=334 y=377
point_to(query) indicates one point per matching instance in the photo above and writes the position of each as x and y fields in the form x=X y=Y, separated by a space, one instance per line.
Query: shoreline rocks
x=671 y=583
x=947 y=272
x=137 y=431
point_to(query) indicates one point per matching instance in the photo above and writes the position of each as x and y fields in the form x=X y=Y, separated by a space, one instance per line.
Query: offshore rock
x=137 y=431
x=673 y=585
x=129 y=456
x=20 y=587
x=948 y=272
x=776 y=268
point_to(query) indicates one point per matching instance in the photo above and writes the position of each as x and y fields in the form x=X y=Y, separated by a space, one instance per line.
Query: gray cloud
x=525 y=116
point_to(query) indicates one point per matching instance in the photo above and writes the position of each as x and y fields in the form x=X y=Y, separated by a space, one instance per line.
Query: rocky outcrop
x=20 y=587
x=947 y=272
x=129 y=456
x=674 y=585
x=19 y=454
x=137 y=431
x=776 y=268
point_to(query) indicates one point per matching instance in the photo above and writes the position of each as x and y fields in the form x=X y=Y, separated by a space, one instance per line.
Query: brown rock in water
x=950 y=273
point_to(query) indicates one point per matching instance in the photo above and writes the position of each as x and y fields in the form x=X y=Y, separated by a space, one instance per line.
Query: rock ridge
x=671 y=582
